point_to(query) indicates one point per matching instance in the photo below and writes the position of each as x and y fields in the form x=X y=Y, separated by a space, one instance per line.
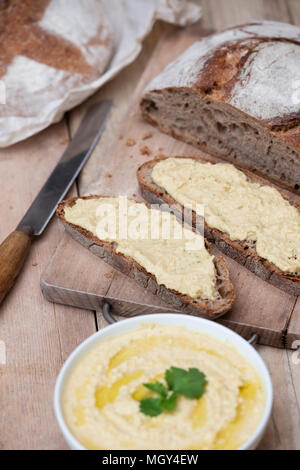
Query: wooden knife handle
x=13 y=252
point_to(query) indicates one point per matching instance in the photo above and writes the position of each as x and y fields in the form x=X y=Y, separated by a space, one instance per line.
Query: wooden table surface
x=38 y=335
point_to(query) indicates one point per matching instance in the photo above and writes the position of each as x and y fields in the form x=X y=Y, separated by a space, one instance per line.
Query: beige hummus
x=232 y=204
x=101 y=398
x=176 y=256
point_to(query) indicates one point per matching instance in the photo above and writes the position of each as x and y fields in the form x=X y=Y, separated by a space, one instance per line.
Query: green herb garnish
x=158 y=388
x=151 y=406
x=188 y=383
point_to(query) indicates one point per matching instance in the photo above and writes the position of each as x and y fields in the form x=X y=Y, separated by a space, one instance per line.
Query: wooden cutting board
x=76 y=277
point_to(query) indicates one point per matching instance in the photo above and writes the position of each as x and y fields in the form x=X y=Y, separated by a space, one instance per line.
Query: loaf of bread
x=248 y=218
x=163 y=267
x=236 y=94
x=48 y=49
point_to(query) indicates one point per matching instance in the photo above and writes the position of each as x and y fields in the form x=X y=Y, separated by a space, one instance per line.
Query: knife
x=14 y=250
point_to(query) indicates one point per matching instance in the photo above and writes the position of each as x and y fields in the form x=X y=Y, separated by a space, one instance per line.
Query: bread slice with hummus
x=181 y=271
x=248 y=218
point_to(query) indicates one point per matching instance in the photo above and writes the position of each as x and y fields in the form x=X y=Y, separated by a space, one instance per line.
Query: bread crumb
x=145 y=150
x=160 y=149
x=161 y=155
x=108 y=175
x=147 y=136
x=108 y=275
x=130 y=142
x=34 y=264
x=121 y=137
x=134 y=195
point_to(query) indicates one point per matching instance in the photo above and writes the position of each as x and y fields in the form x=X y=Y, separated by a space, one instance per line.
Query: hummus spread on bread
x=176 y=256
x=101 y=398
x=245 y=210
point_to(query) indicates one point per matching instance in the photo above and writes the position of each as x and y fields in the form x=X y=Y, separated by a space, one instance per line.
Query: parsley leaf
x=151 y=406
x=169 y=403
x=190 y=384
x=158 y=388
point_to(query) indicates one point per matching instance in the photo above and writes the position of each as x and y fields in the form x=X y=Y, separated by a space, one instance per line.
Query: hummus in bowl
x=99 y=392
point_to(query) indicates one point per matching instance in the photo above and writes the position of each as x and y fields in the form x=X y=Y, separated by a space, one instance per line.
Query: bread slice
x=242 y=252
x=128 y=266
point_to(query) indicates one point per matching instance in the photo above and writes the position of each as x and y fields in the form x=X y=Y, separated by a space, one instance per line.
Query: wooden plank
x=120 y=90
x=283 y=432
x=294 y=11
x=259 y=307
x=293 y=330
x=38 y=335
x=226 y=13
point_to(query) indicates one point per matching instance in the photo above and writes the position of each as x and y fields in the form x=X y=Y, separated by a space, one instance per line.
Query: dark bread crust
x=107 y=251
x=242 y=252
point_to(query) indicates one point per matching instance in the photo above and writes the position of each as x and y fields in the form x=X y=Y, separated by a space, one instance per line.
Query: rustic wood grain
x=293 y=7
x=120 y=90
x=293 y=331
x=39 y=335
x=226 y=13
x=283 y=432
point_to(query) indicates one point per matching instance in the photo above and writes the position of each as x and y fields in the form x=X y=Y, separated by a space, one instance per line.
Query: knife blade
x=67 y=170
x=15 y=248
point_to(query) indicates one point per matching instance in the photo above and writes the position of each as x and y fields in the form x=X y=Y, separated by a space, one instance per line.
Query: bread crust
x=107 y=251
x=215 y=65
x=242 y=252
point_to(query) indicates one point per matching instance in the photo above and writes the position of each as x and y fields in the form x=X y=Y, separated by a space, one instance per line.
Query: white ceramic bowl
x=193 y=323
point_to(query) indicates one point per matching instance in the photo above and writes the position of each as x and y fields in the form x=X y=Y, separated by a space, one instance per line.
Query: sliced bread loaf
x=80 y=221
x=269 y=216
x=236 y=94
